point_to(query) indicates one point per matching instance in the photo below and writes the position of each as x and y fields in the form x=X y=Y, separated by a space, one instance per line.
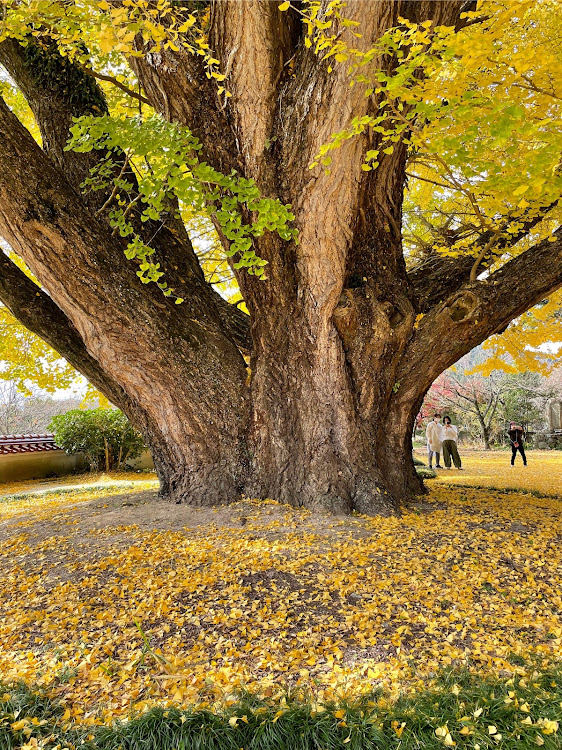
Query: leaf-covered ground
x=115 y=601
x=543 y=472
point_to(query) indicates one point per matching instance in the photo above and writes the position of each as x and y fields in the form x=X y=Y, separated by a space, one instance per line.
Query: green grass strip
x=464 y=711
x=425 y=472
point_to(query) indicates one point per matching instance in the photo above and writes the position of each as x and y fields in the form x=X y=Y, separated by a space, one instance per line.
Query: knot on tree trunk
x=394 y=314
x=346 y=317
x=462 y=306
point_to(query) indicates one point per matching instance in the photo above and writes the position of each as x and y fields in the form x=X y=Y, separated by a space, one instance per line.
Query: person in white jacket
x=449 y=436
x=433 y=435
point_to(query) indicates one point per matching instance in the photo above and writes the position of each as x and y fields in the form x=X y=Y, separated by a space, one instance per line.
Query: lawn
x=543 y=472
x=114 y=601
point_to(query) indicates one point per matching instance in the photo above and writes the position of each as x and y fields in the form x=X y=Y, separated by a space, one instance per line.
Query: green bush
x=105 y=437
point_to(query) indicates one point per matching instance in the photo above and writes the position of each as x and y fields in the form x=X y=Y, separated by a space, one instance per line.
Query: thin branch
x=432 y=182
x=127 y=212
x=467 y=193
x=115 y=82
x=116 y=186
x=487 y=247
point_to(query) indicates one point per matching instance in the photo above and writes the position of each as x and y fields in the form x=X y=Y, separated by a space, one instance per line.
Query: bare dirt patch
x=85 y=531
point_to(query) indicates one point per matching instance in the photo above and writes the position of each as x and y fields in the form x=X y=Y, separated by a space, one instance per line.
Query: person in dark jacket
x=517 y=436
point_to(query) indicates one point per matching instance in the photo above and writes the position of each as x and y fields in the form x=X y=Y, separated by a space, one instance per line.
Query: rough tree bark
x=188 y=396
x=338 y=365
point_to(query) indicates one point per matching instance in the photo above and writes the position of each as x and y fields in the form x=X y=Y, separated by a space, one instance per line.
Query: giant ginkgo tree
x=296 y=128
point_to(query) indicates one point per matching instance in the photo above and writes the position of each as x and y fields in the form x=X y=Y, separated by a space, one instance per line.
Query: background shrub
x=105 y=437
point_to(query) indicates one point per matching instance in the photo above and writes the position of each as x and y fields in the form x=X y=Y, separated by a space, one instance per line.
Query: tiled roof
x=12 y=444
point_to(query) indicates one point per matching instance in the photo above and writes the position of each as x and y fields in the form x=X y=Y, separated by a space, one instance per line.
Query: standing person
x=517 y=436
x=433 y=435
x=449 y=438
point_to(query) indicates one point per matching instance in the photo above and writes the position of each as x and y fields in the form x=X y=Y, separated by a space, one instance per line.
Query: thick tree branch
x=56 y=90
x=253 y=41
x=49 y=82
x=42 y=216
x=37 y=312
x=315 y=104
x=480 y=309
x=288 y=115
x=177 y=86
x=437 y=276
x=236 y=322
x=47 y=223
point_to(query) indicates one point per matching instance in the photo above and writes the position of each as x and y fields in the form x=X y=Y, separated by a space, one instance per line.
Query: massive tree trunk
x=338 y=363
x=332 y=320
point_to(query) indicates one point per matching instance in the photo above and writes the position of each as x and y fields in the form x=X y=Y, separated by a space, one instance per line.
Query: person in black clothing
x=517 y=435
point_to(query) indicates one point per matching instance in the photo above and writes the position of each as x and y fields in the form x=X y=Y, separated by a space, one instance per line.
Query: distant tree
x=10 y=406
x=554 y=382
x=524 y=399
x=105 y=436
x=22 y=413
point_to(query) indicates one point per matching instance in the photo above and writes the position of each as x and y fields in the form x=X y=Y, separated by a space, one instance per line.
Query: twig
x=531 y=86
x=116 y=186
x=482 y=254
x=432 y=182
x=115 y=82
x=126 y=212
